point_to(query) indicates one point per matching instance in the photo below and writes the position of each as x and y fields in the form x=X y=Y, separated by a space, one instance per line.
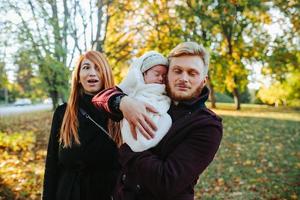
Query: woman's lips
x=92 y=82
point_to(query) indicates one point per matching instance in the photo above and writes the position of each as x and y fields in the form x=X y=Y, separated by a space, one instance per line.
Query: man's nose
x=184 y=77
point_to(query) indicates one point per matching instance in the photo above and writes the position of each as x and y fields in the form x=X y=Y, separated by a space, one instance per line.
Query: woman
x=81 y=159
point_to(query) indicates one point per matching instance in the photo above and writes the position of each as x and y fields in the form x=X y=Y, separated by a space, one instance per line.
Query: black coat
x=84 y=172
x=170 y=170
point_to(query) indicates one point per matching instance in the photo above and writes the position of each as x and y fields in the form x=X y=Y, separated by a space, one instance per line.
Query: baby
x=145 y=81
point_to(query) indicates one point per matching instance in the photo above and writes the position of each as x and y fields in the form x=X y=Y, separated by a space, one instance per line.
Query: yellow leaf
x=294 y=196
x=247 y=162
x=220 y=181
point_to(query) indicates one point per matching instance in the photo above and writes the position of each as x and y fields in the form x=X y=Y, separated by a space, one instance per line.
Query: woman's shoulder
x=60 y=110
x=61 y=107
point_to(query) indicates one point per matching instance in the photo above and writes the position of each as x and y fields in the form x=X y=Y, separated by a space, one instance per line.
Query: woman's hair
x=69 y=127
x=191 y=49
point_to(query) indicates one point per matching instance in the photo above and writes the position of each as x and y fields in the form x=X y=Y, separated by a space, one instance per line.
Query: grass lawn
x=259 y=157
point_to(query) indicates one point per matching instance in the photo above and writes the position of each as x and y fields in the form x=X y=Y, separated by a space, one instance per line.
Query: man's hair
x=191 y=49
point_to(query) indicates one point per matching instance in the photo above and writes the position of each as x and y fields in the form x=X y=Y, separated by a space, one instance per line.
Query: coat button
x=123 y=177
x=138 y=187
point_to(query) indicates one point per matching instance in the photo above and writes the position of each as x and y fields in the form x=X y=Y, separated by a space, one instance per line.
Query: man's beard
x=178 y=97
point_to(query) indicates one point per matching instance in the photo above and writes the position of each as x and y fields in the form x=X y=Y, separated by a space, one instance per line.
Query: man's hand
x=135 y=112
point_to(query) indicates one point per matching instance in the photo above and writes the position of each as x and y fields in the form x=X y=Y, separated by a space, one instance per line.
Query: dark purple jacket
x=170 y=170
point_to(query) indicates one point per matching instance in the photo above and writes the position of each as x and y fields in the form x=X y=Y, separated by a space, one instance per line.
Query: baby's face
x=156 y=74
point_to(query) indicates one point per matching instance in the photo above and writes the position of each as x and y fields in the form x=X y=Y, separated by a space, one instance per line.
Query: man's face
x=185 y=78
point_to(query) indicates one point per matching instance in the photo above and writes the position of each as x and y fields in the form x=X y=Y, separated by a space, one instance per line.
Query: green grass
x=259 y=157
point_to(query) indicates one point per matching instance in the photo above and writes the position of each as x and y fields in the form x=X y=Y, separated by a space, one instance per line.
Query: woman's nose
x=92 y=72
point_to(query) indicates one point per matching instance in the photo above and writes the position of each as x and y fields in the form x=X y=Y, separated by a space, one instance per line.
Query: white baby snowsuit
x=154 y=94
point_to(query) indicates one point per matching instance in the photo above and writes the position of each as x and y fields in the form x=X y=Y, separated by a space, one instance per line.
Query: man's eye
x=177 y=71
x=193 y=73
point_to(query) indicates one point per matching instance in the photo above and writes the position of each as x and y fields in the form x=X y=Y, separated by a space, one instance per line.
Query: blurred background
x=254 y=78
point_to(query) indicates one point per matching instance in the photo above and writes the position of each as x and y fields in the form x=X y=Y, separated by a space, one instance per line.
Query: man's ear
x=205 y=80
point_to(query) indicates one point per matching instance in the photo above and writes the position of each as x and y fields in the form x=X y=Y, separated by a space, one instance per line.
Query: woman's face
x=89 y=77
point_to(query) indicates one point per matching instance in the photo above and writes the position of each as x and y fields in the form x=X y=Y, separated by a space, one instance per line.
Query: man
x=169 y=170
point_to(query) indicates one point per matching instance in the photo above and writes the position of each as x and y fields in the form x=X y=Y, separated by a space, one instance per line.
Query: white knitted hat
x=134 y=76
x=151 y=59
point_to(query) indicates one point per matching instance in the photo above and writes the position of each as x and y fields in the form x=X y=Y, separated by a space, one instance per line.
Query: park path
x=13 y=110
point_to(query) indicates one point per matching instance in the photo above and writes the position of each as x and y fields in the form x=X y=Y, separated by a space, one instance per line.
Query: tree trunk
x=212 y=94
x=54 y=96
x=237 y=99
x=6 y=95
x=213 y=97
x=97 y=44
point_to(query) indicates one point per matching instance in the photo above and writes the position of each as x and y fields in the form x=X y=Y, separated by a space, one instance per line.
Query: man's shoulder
x=212 y=114
x=205 y=121
x=208 y=114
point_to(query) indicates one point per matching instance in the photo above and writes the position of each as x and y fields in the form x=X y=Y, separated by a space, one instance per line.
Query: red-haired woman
x=81 y=161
